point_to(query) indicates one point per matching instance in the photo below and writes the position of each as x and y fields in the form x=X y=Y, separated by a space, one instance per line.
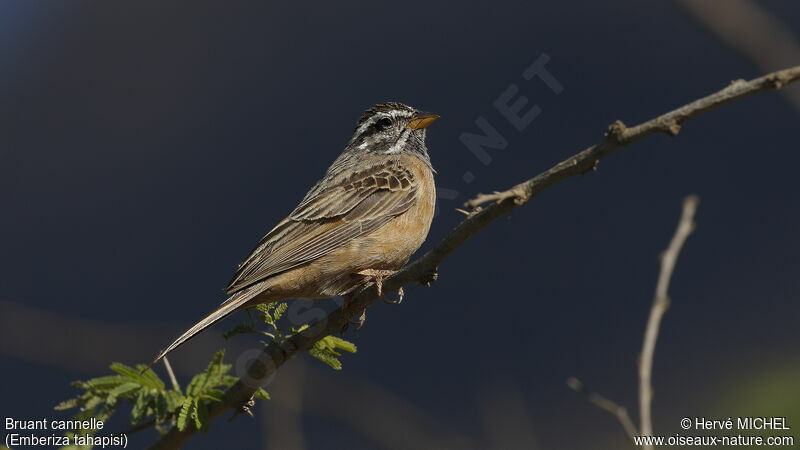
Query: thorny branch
x=423 y=270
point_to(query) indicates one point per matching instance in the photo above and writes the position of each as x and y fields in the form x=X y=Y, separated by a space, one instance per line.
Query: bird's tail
x=233 y=303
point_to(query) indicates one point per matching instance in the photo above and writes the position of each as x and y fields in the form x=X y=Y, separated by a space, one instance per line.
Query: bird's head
x=390 y=128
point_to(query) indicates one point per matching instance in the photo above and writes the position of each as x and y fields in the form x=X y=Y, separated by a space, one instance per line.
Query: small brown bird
x=359 y=223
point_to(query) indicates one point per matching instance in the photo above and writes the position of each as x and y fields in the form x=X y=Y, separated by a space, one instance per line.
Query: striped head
x=390 y=128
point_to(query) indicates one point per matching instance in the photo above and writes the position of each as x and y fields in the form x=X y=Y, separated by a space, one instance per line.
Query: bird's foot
x=361 y=319
x=347 y=297
x=377 y=276
x=399 y=300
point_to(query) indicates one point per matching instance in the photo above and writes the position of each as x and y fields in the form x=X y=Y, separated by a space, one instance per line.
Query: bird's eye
x=383 y=124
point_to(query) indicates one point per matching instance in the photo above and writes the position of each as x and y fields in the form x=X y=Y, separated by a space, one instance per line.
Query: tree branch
x=171 y=374
x=619 y=135
x=423 y=270
x=660 y=305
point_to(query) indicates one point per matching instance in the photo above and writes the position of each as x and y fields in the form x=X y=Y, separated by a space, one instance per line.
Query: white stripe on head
x=363 y=127
x=402 y=113
x=393 y=114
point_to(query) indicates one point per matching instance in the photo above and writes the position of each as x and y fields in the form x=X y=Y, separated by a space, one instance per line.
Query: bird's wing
x=330 y=218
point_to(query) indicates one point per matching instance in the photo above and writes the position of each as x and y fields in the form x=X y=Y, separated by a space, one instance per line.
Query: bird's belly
x=390 y=246
x=387 y=248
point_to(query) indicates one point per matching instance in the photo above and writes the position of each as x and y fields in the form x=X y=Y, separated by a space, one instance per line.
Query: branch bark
x=423 y=270
x=660 y=305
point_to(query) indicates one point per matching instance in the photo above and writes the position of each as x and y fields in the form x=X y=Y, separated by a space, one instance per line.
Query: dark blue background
x=147 y=146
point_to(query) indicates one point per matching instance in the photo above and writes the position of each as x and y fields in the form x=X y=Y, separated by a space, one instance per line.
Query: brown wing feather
x=329 y=218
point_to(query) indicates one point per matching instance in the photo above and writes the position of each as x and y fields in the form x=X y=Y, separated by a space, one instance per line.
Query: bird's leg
x=377 y=276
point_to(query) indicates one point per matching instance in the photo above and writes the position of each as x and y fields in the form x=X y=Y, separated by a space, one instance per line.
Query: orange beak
x=421 y=121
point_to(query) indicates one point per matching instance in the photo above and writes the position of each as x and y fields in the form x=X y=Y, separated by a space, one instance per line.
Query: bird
x=360 y=223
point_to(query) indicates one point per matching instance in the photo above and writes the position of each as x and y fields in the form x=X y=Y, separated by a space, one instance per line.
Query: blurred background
x=145 y=147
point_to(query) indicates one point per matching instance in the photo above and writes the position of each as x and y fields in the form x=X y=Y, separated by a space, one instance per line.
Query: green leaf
x=340 y=343
x=128 y=372
x=214 y=395
x=326 y=350
x=161 y=407
x=111 y=401
x=228 y=380
x=147 y=378
x=68 y=404
x=107 y=382
x=201 y=420
x=279 y=310
x=301 y=329
x=139 y=407
x=186 y=412
x=151 y=376
x=74 y=402
x=91 y=404
x=216 y=376
x=125 y=390
x=262 y=394
x=174 y=399
x=209 y=377
x=266 y=313
x=326 y=357
x=197 y=385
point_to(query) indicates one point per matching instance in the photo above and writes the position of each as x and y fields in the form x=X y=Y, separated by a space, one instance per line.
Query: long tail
x=230 y=305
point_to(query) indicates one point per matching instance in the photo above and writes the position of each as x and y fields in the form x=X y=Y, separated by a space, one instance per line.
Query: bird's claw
x=360 y=321
x=399 y=300
x=345 y=308
x=377 y=276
